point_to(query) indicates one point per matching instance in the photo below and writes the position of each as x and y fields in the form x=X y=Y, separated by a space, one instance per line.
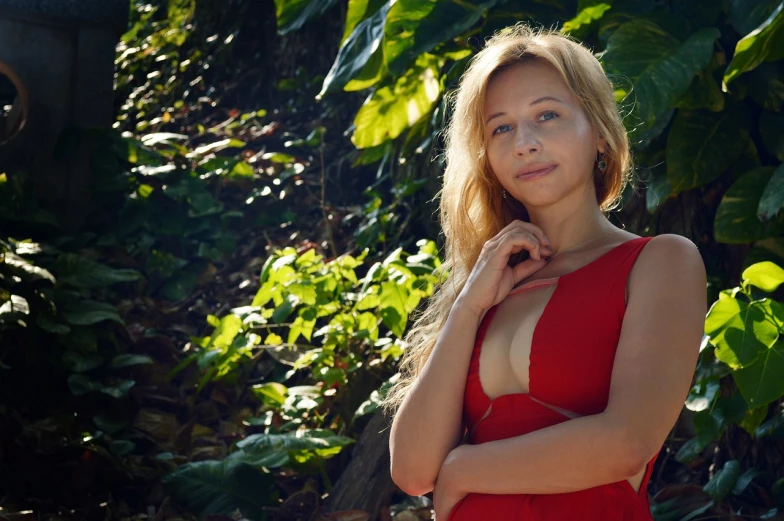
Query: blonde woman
x=561 y=348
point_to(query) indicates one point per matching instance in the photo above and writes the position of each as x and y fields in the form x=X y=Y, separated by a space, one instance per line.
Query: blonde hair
x=472 y=209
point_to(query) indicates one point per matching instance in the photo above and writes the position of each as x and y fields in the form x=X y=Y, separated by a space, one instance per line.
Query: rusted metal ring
x=21 y=98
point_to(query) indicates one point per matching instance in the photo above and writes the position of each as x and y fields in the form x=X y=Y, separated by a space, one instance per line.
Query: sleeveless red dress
x=571 y=361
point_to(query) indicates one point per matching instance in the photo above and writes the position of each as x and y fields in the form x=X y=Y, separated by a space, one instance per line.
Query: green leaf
x=765 y=43
x=80 y=384
x=743 y=338
x=119 y=390
x=701 y=144
x=217 y=146
x=773 y=196
x=223 y=336
x=292 y=14
x=704 y=91
x=746 y=15
x=24 y=268
x=660 y=66
x=754 y=417
x=356 y=51
x=771 y=127
x=765 y=275
x=736 y=220
x=393 y=108
x=89 y=312
x=129 y=359
x=583 y=21
x=271 y=392
x=357 y=11
x=761 y=383
x=723 y=481
x=414 y=27
x=222 y=487
x=80 y=363
x=746 y=479
x=293 y=441
x=689 y=451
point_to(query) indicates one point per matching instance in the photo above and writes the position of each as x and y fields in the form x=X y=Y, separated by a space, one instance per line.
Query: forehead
x=524 y=83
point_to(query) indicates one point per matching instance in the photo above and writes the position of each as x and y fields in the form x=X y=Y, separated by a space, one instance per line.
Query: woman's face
x=533 y=121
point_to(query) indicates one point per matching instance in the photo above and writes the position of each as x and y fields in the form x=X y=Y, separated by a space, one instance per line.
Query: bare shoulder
x=668 y=260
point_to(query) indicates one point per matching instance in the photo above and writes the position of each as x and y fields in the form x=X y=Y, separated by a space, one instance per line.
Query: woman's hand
x=492 y=279
x=447 y=492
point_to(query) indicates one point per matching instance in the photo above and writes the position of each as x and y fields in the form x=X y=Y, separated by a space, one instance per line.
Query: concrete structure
x=63 y=53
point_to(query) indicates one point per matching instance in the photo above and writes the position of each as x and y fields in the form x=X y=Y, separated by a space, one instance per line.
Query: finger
x=521 y=240
x=533 y=229
x=527 y=268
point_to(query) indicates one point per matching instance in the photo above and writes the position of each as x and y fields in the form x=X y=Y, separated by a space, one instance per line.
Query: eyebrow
x=540 y=100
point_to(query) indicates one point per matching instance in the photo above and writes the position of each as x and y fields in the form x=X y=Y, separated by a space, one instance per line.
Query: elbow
x=409 y=482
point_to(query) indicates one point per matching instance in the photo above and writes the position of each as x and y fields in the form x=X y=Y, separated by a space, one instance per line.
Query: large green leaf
x=221 y=487
x=394 y=108
x=773 y=197
x=660 y=66
x=765 y=43
x=356 y=51
x=704 y=91
x=308 y=440
x=746 y=15
x=357 y=11
x=417 y=26
x=585 y=19
x=765 y=275
x=292 y=14
x=81 y=272
x=89 y=312
x=740 y=332
x=701 y=144
x=761 y=382
x=736 y=219
x=723 y=481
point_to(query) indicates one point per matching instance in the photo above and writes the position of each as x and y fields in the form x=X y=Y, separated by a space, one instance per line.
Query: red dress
x=571 y=360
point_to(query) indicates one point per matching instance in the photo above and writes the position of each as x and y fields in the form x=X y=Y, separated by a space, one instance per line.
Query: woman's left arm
x=652 y=374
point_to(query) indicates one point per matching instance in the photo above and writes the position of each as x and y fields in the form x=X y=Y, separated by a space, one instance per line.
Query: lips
x=535 y=171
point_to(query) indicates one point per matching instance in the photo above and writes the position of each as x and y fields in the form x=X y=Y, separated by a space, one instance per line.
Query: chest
x=555 y=342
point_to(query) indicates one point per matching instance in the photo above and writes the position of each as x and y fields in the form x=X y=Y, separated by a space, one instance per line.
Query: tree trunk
x=366 y=483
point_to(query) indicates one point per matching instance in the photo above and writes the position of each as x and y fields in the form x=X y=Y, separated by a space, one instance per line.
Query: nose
x=526 y=141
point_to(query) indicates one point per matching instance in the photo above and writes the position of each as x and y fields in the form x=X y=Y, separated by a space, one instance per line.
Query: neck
x=566 y=224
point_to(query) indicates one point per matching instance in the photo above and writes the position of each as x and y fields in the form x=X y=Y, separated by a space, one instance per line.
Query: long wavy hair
x=472 y=209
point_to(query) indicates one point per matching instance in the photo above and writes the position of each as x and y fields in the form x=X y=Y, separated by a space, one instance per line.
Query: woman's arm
x=574 y=455
x=428 y=424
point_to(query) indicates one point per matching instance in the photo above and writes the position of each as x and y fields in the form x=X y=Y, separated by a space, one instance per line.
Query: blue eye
x=499 y=128
x=549 y=112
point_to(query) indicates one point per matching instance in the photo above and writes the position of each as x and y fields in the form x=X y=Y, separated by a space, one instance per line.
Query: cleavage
x=505 y=353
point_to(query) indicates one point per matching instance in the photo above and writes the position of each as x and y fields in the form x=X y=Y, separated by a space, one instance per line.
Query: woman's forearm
x=428 y=424
x=577 y=454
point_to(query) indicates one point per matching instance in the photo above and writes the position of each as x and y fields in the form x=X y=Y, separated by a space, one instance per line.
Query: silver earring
x=504 y=191
x=602 y=163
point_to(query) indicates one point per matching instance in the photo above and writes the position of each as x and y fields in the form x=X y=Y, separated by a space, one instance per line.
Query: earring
x=602 y=163
x=504 y=192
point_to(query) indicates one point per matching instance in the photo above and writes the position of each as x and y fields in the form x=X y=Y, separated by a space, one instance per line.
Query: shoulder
x=666 y=261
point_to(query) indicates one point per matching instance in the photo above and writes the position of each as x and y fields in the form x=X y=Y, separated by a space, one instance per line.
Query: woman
x=587 y=343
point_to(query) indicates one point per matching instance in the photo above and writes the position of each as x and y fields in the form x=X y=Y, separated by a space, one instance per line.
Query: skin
x=663 y=324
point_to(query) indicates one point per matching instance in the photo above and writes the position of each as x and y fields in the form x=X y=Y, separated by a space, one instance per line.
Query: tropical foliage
x=217 y=335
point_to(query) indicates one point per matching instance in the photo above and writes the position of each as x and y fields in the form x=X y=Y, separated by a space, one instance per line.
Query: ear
x=602 y=145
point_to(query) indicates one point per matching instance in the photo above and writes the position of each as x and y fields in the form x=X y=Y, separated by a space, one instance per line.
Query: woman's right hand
x=492 y=279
